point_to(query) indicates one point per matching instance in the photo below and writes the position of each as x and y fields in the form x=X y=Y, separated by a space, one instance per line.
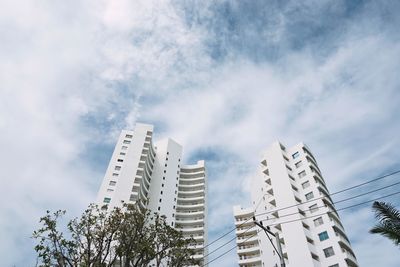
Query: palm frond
x=386 y=212
x=388 y=221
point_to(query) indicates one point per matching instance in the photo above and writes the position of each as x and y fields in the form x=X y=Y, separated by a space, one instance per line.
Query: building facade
x=153 y=176
x=290 y=196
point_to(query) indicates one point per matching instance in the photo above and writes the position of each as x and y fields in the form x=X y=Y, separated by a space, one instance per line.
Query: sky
x=224 y=78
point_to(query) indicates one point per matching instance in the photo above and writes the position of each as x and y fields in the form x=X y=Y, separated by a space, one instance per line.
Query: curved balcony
x=190 y=221
x=189 y=169
x=253 y=260
x=184 y=200
x=193 y=187
x=190 y=230
x=191 y=181
x=190 y=192
x=191 y=206
x=189 y=176
x=245 y=222
x=248 y=249
x=198 y=257
x=188 y=213
x=247 y=230
x=142 y=193
x=246 y=239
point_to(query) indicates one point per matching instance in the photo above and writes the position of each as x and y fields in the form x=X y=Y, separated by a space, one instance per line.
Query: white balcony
x=250 y=260
x=190 y=206
x=248 y=249
x=188 y=213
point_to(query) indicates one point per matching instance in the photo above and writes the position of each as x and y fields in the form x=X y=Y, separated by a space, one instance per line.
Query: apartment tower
x=152 y=175
x=290 y=196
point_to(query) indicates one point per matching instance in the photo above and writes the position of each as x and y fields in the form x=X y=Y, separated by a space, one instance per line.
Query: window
x=159 y=208
x=127 y=142
x=298 y=164
x=120 y=160
x=112 y=183
x=110 y=190
x=160 y=199
x=124 y=147
x=163 y=178
x=117 y=168
x=165 y=171
x=305 y=184
x=161 y=193
x=329 y=252
x=165 y=164
x=128 y=136
x=122 y=153
x=295 y=155
x=313 y=208
x=162 y=185
x=335 y=265
x=309 y=195
x=115 y=174
x=323 y=236
x=302 y=174
x=287 y=167
x=107 y=200
x=318 y=221
x=167 y=153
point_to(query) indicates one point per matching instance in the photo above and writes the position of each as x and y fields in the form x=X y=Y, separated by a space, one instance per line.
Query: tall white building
x=290 y=196
x=153 y=176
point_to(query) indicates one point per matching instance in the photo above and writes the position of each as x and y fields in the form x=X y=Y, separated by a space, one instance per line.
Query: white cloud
x=73 y=74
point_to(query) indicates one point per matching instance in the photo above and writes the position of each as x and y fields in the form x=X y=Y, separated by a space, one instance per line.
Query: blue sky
x=223 y=78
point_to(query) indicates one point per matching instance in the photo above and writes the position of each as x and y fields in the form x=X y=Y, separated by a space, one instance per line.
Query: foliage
x=388 y=221
x=123 y=237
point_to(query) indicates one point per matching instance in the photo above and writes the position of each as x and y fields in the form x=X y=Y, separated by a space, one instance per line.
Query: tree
x=126 y=237
x=388 y=221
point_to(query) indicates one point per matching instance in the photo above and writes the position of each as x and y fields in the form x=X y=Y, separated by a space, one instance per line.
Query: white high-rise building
x=290 y=196
x=153 y=176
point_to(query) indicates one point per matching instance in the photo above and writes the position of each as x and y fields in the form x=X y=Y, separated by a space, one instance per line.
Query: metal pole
x=278 y=243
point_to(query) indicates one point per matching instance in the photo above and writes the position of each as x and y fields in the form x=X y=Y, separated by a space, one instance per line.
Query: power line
x=229 y=250
x=344 y=208
x=336 y=202
x=335 y=193
x=294 y=213
x=348 y=207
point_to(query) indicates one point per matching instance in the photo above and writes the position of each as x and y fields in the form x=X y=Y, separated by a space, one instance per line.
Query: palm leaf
x=388 y=221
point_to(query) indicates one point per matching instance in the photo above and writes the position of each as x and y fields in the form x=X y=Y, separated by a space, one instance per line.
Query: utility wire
x=335 y=193
x=344 y=208
x=229 y=250
x=294 y=213
x=348 y=207
x=336 y=202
